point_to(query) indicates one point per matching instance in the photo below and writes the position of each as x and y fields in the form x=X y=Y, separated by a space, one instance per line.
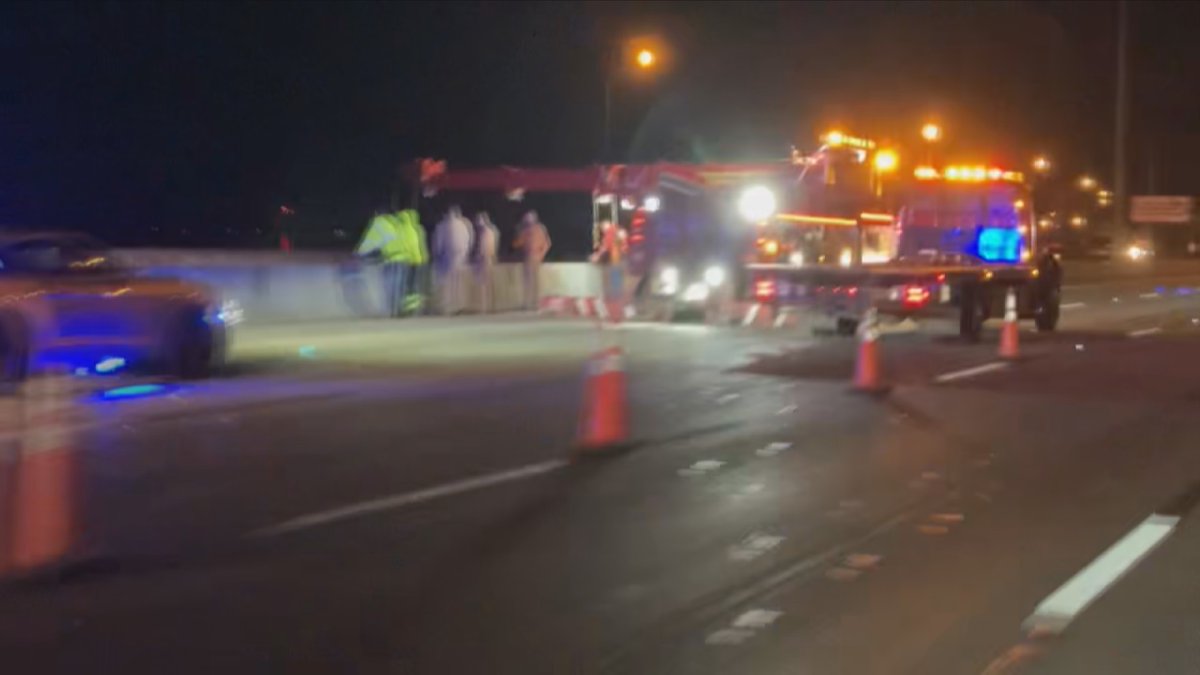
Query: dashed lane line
x=397 y=501
x=970 y=372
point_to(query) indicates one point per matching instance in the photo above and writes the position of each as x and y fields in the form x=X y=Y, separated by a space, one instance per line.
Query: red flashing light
x=764 y=289
x=915 y=296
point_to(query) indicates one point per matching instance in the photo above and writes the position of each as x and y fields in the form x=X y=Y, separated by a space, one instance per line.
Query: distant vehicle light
x=846 y=258
x=714 y=276
x=1136 y=252
x=925 y=173
x=797 y=259
x=757 y=203
x=770 y=247
x=652 y=203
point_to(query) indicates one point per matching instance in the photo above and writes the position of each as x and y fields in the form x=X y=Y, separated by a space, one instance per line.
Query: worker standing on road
x=415 y=253
x=381 y=242
x=451 y=249
x=534 y=241
x=610 y=253
x=486 y=238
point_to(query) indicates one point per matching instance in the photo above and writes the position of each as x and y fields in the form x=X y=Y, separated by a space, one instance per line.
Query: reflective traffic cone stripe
x=867 y=373
x=604 y=418
x=1009 y=332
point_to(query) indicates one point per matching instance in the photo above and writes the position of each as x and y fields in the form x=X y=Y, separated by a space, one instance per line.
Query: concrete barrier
x=276 y=287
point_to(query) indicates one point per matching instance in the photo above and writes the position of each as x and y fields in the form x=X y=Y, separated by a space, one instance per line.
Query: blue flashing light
x=132 y=391
x=998 y=244
x=109 y=364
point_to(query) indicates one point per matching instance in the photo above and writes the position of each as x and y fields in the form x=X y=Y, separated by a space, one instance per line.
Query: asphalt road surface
x=405 y=497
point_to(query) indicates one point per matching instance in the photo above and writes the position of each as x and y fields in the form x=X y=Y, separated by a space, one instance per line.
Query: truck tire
x=1048 y=309
x=846 y=326
x=971 y=314
x=192 y=348
x=14 y=353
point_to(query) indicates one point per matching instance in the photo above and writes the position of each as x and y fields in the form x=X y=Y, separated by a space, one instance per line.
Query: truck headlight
x=714 y=276
x=756 y=203
x=668 y=280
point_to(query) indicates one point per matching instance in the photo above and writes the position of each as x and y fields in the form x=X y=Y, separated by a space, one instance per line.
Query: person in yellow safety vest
x=397 y=240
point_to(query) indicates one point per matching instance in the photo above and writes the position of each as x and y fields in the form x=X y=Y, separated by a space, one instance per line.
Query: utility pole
x=1120 y=191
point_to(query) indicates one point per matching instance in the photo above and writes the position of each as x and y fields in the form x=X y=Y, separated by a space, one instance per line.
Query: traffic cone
x=43 y=517
x=867 y=372
x=604 y=418
x=1009 y=333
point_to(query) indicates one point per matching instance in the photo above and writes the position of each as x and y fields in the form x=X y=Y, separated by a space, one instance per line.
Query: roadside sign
x=1160 y=209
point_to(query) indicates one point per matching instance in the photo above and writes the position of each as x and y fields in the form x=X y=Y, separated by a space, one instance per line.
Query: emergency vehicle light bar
x=968 y=174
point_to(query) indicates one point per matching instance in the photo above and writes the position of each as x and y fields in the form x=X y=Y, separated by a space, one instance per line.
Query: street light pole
x=1120 y=198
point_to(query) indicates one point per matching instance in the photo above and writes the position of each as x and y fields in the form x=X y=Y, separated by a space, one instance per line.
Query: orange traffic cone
x=867 y=372
x=1009 y=333
x=604 y=419
x=44 y=522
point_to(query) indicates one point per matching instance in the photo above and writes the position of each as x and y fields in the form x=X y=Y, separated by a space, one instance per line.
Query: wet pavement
x=407 y=497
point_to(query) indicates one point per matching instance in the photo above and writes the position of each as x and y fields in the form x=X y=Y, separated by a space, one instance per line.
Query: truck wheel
x=193 y=347
x=1046 y=316
x=971 y=314
x=14 y=355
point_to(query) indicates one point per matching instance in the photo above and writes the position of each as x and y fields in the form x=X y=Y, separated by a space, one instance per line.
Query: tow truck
x=947 y=243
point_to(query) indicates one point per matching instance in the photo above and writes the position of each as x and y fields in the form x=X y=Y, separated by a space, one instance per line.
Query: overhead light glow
x=757 y=203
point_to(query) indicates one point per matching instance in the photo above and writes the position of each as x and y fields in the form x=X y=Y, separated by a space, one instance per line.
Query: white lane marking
x=1063 y=605
x=756 y=619
x=727 y=398
x=772 y=449
x=409 y=498
x=1150 y=296
x=970 y=372
x=754 y=546
x=751 y=314
x=787 y=410
x=729 y=636
x=1143 y=332
x=701 y=467
x=1072 y=305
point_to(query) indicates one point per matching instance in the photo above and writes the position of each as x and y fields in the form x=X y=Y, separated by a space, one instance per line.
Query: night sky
x=190 y=123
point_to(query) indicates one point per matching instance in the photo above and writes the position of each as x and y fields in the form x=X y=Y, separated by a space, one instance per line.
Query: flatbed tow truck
x=950 y=245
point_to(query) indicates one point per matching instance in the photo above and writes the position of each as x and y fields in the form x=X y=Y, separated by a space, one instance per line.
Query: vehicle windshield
x=57 y=255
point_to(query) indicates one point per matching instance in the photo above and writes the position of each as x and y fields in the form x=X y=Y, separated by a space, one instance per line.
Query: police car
x=66 y=303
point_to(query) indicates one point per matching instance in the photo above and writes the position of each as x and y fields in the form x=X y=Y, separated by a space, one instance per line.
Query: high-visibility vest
x=398 y=237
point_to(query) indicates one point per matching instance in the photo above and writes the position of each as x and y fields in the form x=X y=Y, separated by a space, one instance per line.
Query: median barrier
x=276 y=287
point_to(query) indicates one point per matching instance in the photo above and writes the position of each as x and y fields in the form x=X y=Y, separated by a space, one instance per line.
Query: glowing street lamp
x=1087 y=183
x=1041 y=164
x=646 y=58
x=931 y=132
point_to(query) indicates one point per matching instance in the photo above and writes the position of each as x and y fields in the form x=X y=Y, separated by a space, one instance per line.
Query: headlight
x=756 y=203
x=229 y=313
x=1135 y=252
x=652 y=203
x=668 y=280
x=714 y=276
x=796 y=259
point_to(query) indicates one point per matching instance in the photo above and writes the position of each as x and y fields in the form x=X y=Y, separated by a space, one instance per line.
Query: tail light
x=915 y=297
x=764 y=289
